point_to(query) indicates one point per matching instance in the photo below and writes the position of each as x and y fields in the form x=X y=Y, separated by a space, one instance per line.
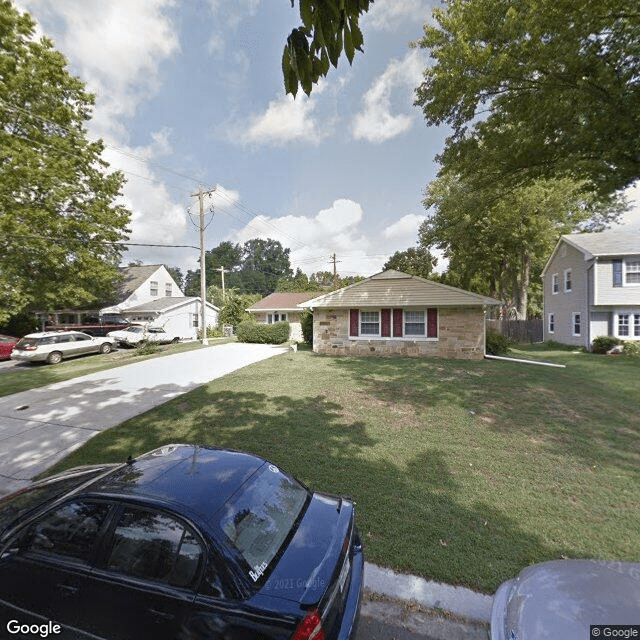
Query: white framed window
x=369 y=323
x=555 y=283
x=276 y=317
x=195 y=318
x=636 y=325
x=576 y=322
x=153 y=288
x=167 y=290
x=623 y=324
x=632 y=272
x=551 y=324
x=567 y=281
x=414 y=323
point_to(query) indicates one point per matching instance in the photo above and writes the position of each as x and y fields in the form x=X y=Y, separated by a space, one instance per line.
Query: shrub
x=147 y=348
x=631 y=348
x=306 y=321
x=497 y=344
x=602 y=344
x=250 y=331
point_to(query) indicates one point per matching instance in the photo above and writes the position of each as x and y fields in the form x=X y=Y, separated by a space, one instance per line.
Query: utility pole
x=203 y=284
x=222 y=271
x=335 y=271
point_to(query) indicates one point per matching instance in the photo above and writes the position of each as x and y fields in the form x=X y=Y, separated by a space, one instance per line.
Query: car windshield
x=135 y=329
x=27 y=343
x=259 y=518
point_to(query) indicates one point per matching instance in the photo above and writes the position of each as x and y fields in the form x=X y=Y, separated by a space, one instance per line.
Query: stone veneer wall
x=460 y=335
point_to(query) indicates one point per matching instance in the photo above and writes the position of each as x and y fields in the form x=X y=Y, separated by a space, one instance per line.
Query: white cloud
x=376 y=123
x=313 y=240
x=227 y=15
x=286 y=120
x=117 y=48
x=405 y=229
x=632 y=217
x=389 y=14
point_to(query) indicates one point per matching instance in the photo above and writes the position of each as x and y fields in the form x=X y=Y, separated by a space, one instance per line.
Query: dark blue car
x=185 y=542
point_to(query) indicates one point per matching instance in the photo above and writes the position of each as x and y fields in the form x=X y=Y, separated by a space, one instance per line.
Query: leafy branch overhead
x=328 y=28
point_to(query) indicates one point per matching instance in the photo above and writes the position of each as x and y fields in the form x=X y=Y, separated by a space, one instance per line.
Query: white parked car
x=54 y=346
x=138 y=334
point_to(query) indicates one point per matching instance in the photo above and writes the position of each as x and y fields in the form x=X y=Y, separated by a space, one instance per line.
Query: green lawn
x=462 y=472
x=32 y=375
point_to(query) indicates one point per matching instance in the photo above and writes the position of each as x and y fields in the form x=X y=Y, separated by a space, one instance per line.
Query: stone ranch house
x=393 y=313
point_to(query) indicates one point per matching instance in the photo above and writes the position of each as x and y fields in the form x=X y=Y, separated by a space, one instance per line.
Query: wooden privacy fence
x=518 y=330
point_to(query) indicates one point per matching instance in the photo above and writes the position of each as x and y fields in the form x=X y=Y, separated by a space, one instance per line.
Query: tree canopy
x=498 y=243
x=328 y=28
x=536 y=89
x=416 y=261
x=59 y=226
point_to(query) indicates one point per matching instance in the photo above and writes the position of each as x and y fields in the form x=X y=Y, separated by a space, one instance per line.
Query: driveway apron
x=41 y=426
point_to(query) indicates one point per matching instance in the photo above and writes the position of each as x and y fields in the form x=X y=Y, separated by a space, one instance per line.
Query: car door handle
x=162 y=614
x=68 y=588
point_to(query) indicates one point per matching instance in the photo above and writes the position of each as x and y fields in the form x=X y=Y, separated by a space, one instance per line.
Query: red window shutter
x=354 y=319
x=386 y=323
x=432 y=323
x=397 y=323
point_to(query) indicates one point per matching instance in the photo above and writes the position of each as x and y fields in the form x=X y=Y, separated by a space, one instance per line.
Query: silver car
x=569 y=600
x=138 y=334
x=53 y=347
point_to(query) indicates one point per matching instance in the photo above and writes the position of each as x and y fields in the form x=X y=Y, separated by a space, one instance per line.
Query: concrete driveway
x=41 y=426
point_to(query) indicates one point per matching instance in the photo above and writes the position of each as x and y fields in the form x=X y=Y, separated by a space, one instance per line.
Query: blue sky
x=190 y=94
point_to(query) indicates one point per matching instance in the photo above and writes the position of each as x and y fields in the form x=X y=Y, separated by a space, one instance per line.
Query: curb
x=458 y=601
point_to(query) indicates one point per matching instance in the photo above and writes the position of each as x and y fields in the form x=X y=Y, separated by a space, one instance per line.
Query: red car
x=6 y=346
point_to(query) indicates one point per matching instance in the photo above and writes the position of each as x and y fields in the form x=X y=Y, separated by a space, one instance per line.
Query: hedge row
x=250 y=331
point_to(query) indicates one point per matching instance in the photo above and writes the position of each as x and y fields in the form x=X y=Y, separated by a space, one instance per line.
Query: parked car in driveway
x=139 y=334
x=187 y=541
x=53 y=347
x=7 y=343
x=565 y=598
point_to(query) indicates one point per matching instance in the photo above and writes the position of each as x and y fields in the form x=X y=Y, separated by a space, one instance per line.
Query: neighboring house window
x=555 y=283
x=576 y=320
x=276 y=317
x=623 y=324
x=153 y=288
x=369 y=323
x=414 y=323
x=636 y=325
x=167 y=290
x=194 y=319
x=567 y=280
x=552 y=322
x=617 y=273
x=395 y=323
x=632 y=272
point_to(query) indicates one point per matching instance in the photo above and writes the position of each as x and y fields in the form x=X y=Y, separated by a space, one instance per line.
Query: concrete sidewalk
x=41 y=426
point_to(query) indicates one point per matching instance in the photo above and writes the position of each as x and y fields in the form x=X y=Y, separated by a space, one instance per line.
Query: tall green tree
x=264 y=262
x=536 y=89
x=59 y=224
x=416 y=261
x=497 y=242
x=329 y=28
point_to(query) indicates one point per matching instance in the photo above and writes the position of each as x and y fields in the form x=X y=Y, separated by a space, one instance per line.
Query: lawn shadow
x=409 y=513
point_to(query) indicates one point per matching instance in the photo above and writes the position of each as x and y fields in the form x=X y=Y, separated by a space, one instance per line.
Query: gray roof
x=134 y=277
x=613 y=242
x=396 y=289
x=283 y=301
x=162 y=304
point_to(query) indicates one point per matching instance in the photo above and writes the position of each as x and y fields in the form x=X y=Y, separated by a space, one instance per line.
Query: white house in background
x=591 y=286
x=149 y=294
x=144 y=283
x=178 y=315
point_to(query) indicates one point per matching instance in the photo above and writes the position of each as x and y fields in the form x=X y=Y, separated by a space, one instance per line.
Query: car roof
x=45 y=334
x=199 y=478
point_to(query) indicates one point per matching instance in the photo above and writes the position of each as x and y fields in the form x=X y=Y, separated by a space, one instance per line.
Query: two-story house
x=591 y=287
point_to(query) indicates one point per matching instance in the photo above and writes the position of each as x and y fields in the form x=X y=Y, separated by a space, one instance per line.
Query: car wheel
x=55 y=357
x=105 y=348
x=175 y=340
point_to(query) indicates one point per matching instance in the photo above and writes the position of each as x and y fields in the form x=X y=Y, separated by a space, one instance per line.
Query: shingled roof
x=281 y=301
